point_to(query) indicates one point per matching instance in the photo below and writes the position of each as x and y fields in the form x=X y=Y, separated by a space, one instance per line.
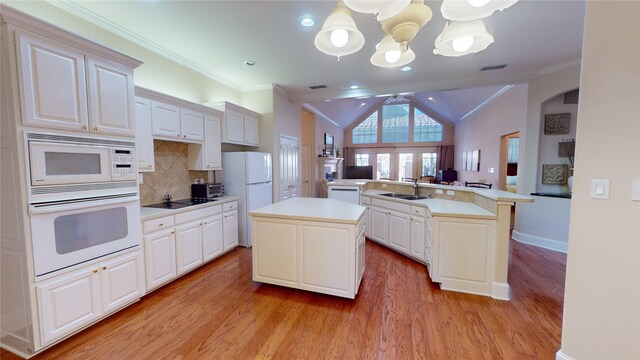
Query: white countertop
x=360 y=183
x=147 y=213
x=441 y=207
x=313 y=209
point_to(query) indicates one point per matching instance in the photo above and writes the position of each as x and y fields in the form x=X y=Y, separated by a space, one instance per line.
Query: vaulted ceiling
x=217 y=37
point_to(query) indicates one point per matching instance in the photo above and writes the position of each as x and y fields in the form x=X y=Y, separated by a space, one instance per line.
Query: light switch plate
x=384 y=185
x=492 y=170
x=451 y=192
x=599 y=189
x=439 y=191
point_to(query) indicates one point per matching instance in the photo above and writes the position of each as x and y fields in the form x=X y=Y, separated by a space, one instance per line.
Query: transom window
x=367 y=131
x=395 y=123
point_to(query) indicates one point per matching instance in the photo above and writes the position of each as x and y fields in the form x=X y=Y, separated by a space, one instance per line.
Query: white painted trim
x=317 y=112
x=93 y=18
x=486 y=102
x=558 y=67
x=561 y=356
x=501 y=291
x=539 y=241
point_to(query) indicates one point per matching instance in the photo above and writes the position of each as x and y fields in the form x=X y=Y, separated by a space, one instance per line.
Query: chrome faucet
x=416 y=189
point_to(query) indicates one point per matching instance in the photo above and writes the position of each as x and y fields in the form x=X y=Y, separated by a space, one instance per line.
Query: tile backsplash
x=171 y=175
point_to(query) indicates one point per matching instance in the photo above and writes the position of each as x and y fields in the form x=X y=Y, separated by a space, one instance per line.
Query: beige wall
x=483 y=129
x=286 y=121
x=602 y=293
x=157 y=73
x=308 y=128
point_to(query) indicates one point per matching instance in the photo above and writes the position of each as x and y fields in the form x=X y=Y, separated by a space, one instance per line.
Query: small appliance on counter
x=207 y=191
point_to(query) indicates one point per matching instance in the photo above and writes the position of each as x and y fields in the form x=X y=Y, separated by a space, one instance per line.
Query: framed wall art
x=464 y=160
x=556 y=123
x=475 y=160
x=555 y=174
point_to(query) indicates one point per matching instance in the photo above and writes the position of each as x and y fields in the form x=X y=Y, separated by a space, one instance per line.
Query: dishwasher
x=348 y=193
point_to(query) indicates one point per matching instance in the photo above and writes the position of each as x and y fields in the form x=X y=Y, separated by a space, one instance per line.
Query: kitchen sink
x=403 y=196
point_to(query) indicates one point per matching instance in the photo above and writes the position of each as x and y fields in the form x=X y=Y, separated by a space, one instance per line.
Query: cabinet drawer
x=418 y=211
x=158 y=224
x=405 y=208
x=365 y=200
x=230 y=206
x=197 y=214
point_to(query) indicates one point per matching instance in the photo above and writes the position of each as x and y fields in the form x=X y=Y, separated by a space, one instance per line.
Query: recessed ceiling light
x=430 y=98
x=354 y=87
x=363 y=104
x=306 y=21
x=250 y=63
x=406 y=68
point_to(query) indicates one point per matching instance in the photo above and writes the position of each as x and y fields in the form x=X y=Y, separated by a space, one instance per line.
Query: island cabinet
x=310 y=244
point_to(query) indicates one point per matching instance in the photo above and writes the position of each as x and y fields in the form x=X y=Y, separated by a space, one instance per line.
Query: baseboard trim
x=561 y=356
x=501 y=291
x=540 y=241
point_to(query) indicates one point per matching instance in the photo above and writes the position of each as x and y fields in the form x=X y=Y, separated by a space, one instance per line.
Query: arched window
x=425 y=128
x=367 y=131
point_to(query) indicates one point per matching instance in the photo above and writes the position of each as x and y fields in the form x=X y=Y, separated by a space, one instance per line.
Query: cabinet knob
x=160 y=225
x=84 y=127
x=184 y=136
x=104 y=268
x=95 y=271
x=173 y=232
x=95 y=128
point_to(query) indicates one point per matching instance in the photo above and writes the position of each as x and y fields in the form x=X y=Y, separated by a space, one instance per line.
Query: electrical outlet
x=384 y=186
x=439 y=191
x=451 y=192
x=492 y=170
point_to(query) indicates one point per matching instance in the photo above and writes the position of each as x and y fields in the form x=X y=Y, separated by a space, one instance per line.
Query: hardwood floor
x=218 y=312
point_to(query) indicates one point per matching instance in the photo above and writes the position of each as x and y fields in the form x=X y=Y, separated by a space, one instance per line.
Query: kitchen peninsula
x=461 y=234
x=310 y=244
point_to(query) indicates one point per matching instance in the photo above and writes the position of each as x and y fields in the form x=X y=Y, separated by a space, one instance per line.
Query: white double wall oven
x=83 y=199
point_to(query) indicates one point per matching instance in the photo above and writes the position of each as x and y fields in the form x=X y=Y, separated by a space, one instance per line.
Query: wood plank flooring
x=218 y=312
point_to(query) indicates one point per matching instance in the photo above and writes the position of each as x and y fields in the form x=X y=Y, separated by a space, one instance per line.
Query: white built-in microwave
x=65 y=167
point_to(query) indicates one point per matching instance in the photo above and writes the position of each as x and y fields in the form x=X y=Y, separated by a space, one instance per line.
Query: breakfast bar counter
x=310 y=244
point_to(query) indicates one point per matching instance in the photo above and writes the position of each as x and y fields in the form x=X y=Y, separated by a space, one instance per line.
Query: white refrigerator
x=247 y=175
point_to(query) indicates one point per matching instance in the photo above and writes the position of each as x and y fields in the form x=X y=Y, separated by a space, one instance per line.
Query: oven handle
x=59 y=207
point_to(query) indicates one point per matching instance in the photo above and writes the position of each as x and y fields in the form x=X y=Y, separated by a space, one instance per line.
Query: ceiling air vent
x=493 y=67
x=315 y=87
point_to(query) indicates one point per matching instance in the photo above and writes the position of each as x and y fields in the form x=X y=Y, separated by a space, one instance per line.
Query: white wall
x=483 y=129
x=548 y=143
x=601 y=317
x=286 y=121
x=322 y=127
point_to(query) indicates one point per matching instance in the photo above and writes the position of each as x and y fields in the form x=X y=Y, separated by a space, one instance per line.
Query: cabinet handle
x=84 y=127
x=160 y=225
x=173 y=232
x=95 y=128
x=95 y=271
x=104 y=268
x=184 y=136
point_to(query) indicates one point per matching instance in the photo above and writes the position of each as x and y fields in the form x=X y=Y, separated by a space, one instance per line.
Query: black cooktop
x=181 y=203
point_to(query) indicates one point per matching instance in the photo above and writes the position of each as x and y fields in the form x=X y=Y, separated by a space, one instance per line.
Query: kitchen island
x=310 y=244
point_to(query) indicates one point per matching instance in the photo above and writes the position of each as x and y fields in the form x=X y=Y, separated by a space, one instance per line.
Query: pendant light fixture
x=390 y=54
x=466 y=10
x=383 y=9
x=404 y=26
x=339 y=35
x=462 y=37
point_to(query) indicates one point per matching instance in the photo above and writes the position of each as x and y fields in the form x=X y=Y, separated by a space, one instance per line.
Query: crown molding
x=93 y=18
x=319 y=113
x=562 y=66
x=487 y=102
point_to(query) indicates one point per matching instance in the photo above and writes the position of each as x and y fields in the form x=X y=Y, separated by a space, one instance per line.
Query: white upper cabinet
x=191 y=125
x=208 y=156
x=144 y=139
x=166 y=121
x=111 y=97
x=54 y=92
x=240 y=126
x=65 y=88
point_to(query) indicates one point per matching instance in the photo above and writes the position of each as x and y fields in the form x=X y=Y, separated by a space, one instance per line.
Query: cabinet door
x=212 y=142
x=165 y=121
x=188 y=246
x=379 y=224
x=191 y=126
x=367 y=223
x=212 y=237
x=417 y=235
x=67 y=303
x=122 y=281
x=54 y=87
x=111 y=97
x=230 y=229
x=251 y=130
x=399 y=231
x=360 y=260
x=144 y=138
x=160 y=258
x=234 y=127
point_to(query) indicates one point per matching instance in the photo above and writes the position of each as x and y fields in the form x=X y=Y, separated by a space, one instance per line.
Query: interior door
x=289 y=181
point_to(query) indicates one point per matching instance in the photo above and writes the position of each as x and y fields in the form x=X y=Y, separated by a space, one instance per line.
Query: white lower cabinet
x=177 y=244
x=417 y=238
x=73 y=300
x=379 y=225
x=188 y=246
x=399 y=231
